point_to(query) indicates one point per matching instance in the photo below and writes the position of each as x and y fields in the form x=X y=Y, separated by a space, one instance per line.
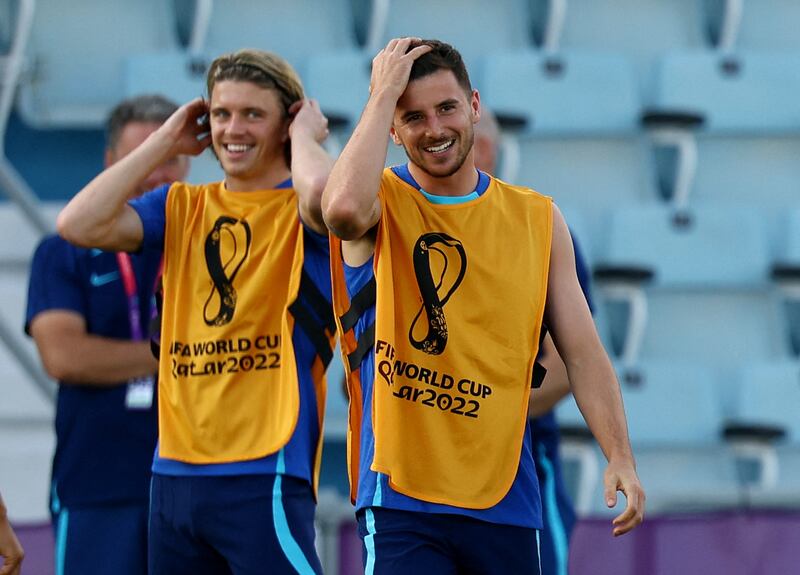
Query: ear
x=475 y=106
x=395 y=137
x=285 y=130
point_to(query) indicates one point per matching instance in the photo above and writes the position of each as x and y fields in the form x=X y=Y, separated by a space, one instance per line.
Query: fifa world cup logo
x=227 y=247
x=434 y=266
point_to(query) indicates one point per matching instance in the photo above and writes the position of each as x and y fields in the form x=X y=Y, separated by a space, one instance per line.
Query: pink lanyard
x=129 y=283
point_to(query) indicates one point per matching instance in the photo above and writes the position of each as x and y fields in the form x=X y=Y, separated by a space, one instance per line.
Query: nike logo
x=98 y=280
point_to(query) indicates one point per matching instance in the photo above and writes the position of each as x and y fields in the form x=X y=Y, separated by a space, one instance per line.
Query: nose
x=434 y=128
x=235 y=125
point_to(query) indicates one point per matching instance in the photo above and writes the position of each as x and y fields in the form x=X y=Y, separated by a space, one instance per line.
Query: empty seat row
x=693 y=451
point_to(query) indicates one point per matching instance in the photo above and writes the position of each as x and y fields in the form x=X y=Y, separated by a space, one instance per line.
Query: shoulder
x=53 y=250
x=521 y=192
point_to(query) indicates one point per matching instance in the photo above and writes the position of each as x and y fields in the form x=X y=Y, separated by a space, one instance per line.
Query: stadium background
x=667 y=130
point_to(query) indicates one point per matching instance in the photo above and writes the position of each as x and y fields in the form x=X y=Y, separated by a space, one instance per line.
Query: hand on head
x=308 y=118
x=188 y=133
x=391 y=68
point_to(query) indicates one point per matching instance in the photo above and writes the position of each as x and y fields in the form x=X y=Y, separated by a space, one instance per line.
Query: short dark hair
x=442 y=57
x=145 y=108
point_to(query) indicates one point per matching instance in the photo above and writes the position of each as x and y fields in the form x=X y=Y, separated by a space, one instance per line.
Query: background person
x=88 y=312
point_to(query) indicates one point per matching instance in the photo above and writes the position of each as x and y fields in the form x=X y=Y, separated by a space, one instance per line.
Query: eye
x=448 y=107
x=219 y=114
x=253 y=114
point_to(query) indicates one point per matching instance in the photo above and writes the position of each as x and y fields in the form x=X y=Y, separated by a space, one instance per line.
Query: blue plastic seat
x=747 y=149
x=744 y=93
x=77 y=50
x=769 y=394
x=719 y=248
x=573 y=93
x=473 y=27
x=711 y=299
x=642 y=30
x=295 y=29
x=769 y=25
x=675 y=424
x=340 y=82
x=581 y=109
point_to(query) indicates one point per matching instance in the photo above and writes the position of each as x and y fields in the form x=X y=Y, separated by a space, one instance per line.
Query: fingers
x=610 y=491
x=623 y=478
x=633 y=514
x=196 y=107
x=308 y=118
x=419 y=51
x=203 y=143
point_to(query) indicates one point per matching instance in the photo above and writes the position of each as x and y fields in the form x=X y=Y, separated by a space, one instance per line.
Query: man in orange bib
x=444 y=278
x=246 y=324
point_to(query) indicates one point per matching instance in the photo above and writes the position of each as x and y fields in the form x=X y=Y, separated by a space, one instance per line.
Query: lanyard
x=131 y=293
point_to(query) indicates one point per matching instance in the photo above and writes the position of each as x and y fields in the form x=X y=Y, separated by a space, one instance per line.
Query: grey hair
x=146 y=108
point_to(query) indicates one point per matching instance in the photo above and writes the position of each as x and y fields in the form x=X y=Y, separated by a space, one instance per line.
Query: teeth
x=237 y=147
x=440 y=148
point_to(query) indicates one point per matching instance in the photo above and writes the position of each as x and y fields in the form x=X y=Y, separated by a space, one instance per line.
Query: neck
x=460 y=183
x=266 y=179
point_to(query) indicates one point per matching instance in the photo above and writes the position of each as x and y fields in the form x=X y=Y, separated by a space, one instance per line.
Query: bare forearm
x=311 y=166
x=100 y=361
x=349 y=202
x=91 y=217
x=597 y=393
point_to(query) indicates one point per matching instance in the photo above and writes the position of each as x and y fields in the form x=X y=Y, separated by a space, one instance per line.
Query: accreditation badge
x=140 y=393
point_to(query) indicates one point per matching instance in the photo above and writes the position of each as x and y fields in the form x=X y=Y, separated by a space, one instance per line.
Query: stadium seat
x=769 y=395
x=708 y=270
x=481 y=26
x=640 y=29
x=574 y=105
x=77 y=50
x=765 y=426
x=745 y=93
x=568 y=94
x=675 y=425
x=718 y=248
x=178 y=75
x=283 y=27
x=340 y=82
x=675 y=422
x=747 y=147
x=769 y=25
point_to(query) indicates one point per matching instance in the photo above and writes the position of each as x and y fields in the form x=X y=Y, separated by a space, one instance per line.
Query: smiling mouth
x=439 y=148
x=237 y=148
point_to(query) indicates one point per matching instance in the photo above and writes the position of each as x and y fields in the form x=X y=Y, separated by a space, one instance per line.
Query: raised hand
x=185 y=129
x=307 y=118
x=392 y=66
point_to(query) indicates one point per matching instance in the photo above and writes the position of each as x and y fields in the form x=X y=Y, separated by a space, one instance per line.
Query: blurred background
x=668 y=131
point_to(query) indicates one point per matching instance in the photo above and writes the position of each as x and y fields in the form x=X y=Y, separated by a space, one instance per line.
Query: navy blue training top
x=103 y=450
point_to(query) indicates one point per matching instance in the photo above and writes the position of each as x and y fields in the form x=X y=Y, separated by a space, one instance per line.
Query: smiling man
x=246 y=323
x=444 y=278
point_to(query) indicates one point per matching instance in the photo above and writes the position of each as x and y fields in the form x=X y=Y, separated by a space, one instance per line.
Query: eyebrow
x=449 y=101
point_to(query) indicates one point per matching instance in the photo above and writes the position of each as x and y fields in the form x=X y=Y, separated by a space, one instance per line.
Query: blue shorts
x=241 y=525
x=557 y=510
x=101 y=540
x=398 y=542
